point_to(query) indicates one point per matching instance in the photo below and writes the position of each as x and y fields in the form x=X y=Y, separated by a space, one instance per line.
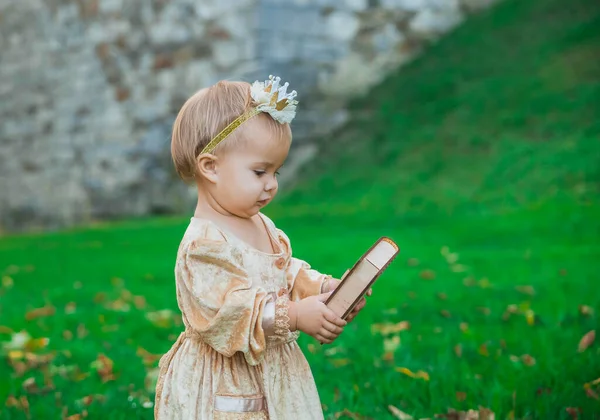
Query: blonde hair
x=204 y=115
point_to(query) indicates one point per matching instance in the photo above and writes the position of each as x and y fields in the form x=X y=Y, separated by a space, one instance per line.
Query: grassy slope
x=488 y=144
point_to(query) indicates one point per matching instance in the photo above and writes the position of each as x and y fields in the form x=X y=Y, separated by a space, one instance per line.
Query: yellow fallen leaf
x=104 y=367
x=348 y=414
x=6 y=330
x=117 y=282
x=139 y=302
x=399 y=414
x=526 y=290
x=469 y=281
x=82 y=331
x=70 y=308
x=592 y=394
x=445 y=313
x=11 y=401
x=17 y=341
x=334 y=350
x=484 y=310
x=340 y=362
x=459 y=268
x=481 y=414
x=99 y=297
x=37 y=343
x=118 y=305
x=527 y=360
x=7 y=282
x=530 y=317
x=417 y=375
x=89 y=399
x=47 y=310
x=110 y=328
x=388 y=328
x=391 y=344
x=126 y=295
x=586 y=310
x=483 y=350
x=452 y=258
x=587 y=340
x=458 y=350
x=573 y=412
x=162 y=318
x=484 y=283
x=16 y=354
x=412 y=262
x=12 y=269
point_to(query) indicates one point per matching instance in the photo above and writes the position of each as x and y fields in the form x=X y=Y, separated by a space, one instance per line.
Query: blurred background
x=466 y=130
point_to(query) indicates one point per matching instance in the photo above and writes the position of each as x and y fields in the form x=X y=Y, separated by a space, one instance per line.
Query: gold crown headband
x=271 y=98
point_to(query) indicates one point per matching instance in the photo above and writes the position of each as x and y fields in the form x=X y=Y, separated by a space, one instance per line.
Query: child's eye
x=259 y=173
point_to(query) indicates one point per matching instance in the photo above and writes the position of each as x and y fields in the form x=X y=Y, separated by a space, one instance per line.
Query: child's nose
x=271 y=184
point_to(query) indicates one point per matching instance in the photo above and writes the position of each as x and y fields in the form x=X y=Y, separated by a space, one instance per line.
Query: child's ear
x=206 y=165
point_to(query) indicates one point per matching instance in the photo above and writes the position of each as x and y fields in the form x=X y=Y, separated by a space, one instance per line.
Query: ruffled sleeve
x=220 y=302
x=303 y=281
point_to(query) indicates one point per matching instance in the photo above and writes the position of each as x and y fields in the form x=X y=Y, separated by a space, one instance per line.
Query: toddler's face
x=247 y=174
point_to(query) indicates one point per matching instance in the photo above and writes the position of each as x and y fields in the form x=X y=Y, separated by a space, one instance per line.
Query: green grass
x=488 y=145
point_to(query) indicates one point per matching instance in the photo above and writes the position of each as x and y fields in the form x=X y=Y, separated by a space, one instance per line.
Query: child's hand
x=315 y=319
x=361 y=304
x=332 y=284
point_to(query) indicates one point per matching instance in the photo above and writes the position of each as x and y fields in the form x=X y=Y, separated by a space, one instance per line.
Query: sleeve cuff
x=268 y=320
x=325 y=283
x=282 y=320
x=275 y=321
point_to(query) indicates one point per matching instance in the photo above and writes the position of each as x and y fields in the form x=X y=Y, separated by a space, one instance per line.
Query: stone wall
x=89 y=88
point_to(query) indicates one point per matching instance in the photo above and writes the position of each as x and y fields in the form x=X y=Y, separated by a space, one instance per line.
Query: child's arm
x=304 y=281
x=223 y=306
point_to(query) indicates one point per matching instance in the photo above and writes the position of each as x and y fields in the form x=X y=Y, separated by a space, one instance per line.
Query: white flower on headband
x=274 y=99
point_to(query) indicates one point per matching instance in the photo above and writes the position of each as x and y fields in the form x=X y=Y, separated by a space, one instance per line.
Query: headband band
x=271 y=98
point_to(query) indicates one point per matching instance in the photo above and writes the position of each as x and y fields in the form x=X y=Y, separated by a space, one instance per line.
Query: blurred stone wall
x=89 y=88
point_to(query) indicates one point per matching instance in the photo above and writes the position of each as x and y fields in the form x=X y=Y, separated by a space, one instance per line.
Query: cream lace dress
x=237 y=358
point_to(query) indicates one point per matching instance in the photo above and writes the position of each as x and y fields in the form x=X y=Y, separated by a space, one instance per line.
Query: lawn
x=481 y=159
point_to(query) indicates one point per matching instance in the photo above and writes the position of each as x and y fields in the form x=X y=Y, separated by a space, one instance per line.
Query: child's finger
x=334 y=319
x=334 y=329
x=323 y=332
x=359 y=306
x=323 y=297
x=322 y=339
